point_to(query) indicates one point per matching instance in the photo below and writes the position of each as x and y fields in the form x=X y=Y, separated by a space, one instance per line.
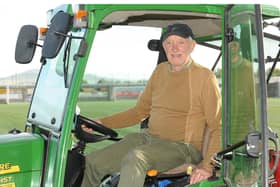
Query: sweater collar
x=186 y=66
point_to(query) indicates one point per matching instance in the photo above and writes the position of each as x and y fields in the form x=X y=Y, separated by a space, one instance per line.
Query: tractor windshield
x=52 y=87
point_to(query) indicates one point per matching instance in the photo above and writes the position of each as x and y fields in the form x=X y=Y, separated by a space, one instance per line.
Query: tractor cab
x=96 y=59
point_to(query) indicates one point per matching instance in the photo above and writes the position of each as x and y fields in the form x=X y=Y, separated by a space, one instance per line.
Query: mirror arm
x=231 y=148
x=69 y=36
x=30 y=44
x=39 y=45
x=43 y=60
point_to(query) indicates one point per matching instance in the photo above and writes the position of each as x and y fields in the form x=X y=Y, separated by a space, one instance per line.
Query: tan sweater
x=180 y=105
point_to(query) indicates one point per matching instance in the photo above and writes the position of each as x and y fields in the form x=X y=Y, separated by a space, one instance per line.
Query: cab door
x=245 y=95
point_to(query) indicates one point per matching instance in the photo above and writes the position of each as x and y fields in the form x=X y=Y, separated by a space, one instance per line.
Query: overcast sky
x=16 y=13
x=13 y=16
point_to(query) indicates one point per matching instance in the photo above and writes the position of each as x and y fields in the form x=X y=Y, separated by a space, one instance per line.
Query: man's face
x=178 y=49
x=234 y=51
x=234 y=47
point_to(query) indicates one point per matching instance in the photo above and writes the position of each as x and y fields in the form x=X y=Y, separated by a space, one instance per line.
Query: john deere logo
x=8 y=168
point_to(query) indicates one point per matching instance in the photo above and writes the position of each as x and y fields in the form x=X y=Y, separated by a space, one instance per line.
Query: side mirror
x=154 y=45
x=56 y=34
x=252 y=144
x=26 y=44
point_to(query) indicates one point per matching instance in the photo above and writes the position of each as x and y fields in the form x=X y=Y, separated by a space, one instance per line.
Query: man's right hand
x=89 y=130
x=86 y=129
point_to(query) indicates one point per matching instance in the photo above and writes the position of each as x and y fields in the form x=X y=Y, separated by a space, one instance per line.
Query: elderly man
x=181 y=99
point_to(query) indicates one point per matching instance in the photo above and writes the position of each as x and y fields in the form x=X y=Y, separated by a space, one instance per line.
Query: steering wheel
x=104 y=133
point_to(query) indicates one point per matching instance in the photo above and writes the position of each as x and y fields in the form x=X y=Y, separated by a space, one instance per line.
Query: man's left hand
x=199 y=174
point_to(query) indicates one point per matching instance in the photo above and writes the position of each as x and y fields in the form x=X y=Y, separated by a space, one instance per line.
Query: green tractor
x=50 y=151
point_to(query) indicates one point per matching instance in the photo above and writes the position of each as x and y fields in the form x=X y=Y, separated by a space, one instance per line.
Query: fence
x=97 y=92
x=273 y=89
x=15 y=93
x=110 y=92
x=12 y=94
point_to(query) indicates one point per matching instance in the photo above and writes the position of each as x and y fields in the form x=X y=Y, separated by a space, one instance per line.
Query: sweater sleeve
x=135 y=114
x=211 y=100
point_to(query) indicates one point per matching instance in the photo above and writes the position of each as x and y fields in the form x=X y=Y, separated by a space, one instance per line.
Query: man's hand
x=199 y=175
x=89 y=130
x=86 y=129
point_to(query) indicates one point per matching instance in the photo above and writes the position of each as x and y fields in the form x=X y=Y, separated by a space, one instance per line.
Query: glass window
x=244 y=98
x=117 y=70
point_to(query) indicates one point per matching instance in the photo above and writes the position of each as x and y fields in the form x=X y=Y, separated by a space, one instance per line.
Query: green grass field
x=14 y=115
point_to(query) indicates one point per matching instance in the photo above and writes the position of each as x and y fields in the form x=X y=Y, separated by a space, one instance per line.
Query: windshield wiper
x=66 y=60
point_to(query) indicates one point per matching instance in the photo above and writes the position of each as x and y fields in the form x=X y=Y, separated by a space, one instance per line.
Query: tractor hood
x=21 y=159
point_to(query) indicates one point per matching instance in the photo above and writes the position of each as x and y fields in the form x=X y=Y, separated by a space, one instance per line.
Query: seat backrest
x=156 y=45
x=205 y=141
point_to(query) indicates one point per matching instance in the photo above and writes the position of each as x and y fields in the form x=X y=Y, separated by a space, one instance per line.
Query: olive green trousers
x=133 y=156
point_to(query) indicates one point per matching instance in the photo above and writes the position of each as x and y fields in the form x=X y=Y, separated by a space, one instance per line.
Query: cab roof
x=204 y=19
